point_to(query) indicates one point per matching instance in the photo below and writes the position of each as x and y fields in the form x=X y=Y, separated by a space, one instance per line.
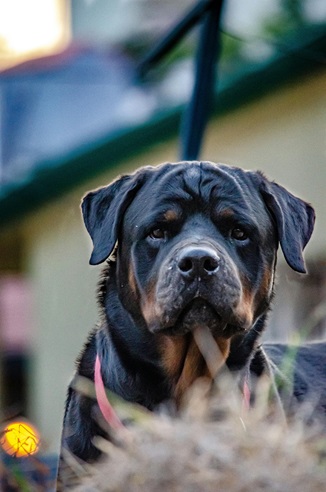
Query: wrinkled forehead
x=177 y=190
x=198 y=186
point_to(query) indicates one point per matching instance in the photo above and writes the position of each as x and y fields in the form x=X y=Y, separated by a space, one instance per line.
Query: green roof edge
x=55 y=177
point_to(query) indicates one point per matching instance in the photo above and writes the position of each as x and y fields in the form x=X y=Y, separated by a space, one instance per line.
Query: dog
x=187 y=245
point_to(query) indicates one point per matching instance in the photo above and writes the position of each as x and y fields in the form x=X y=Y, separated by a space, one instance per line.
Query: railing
x=208 y=14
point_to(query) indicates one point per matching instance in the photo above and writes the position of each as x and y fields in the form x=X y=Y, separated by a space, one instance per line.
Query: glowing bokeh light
x=29 y=26
x=20 y=439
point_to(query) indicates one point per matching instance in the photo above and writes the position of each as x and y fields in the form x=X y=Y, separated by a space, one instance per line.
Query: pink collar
x=110 y=415
x=102 y=400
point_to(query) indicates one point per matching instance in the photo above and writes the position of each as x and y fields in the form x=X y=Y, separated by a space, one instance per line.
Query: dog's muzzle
x=198 y=284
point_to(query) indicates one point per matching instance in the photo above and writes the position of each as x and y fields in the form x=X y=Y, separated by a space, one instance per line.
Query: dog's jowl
x=187 y=245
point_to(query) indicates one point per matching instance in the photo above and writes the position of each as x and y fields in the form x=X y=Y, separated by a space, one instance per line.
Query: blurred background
x=75 y=113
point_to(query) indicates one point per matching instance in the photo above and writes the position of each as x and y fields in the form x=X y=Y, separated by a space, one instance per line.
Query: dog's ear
x=103 y=210
x=294 y=220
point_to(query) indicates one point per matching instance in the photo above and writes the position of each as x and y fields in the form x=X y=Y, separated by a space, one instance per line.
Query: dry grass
x=212 y=446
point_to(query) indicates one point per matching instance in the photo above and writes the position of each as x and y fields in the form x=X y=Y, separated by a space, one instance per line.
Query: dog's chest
x=184 y=362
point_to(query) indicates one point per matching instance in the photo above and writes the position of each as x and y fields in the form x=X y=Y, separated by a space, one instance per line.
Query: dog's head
x=196 y=243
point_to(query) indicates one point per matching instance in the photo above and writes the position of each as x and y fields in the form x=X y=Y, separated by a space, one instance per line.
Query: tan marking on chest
x=184 y=362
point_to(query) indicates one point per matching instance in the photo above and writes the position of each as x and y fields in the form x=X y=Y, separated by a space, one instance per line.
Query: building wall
x=283 y=135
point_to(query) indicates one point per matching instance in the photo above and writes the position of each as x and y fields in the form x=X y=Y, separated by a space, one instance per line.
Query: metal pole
x=197 y=113
x=171 y=39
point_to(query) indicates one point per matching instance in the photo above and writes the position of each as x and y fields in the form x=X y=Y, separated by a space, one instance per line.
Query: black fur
x=195 y=244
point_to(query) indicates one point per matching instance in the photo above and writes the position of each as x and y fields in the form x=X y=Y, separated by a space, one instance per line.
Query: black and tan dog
x=194 y=244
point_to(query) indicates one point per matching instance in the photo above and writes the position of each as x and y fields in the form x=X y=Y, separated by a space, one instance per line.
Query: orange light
x=20 y=439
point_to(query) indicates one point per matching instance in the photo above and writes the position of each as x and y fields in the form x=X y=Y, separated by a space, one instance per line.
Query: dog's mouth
x=198 y=312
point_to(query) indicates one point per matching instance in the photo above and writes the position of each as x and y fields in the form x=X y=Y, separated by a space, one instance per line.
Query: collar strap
x=105 y=406
x=110 y=415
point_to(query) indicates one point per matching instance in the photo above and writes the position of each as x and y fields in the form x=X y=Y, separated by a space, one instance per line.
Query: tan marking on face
x=149 y=311
x=252 y=300
x=266 y=283
x=132 y=280
x=184 y=362
x=171 y=215
x=149 y=307
x=227 y=213
x=245 y=310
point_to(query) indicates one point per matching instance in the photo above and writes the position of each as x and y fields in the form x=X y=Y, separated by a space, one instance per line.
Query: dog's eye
x=239 y=234
x=157 y=234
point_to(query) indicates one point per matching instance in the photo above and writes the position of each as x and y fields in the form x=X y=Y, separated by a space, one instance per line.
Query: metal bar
x=197 y=114
x=180 y=29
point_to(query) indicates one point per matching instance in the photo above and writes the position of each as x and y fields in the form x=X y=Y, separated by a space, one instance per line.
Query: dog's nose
x=198 y=262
